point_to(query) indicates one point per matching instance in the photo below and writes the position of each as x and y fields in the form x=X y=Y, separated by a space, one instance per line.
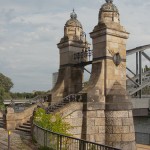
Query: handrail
x=77 y=141
x=67 y=99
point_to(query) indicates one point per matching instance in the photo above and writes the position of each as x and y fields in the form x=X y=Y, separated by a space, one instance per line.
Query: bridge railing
x=19 y=107
x=47 y=138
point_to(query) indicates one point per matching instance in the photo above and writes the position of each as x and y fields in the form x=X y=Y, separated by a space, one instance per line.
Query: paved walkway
x=22 y=141
x=19 y=141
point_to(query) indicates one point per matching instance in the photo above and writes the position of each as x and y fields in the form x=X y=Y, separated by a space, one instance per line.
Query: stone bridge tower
x=69 y=77
x=106 y=93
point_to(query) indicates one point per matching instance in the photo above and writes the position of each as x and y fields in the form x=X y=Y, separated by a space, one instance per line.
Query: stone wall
x=88 y=122
x=1 y=114
x=13 y=119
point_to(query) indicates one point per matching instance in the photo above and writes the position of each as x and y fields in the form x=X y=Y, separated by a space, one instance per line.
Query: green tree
x=5 y=82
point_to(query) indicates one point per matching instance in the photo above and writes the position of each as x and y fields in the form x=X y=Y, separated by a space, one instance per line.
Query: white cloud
x=30 y=30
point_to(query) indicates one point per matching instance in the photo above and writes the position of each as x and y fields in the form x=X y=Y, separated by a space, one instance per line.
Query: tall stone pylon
x=69 y=77
x=106 y=92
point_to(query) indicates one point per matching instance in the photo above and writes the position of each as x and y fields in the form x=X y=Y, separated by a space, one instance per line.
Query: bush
x=55 y=123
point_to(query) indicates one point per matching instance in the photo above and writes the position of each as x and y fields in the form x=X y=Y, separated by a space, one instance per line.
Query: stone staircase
x=65 y=101
x=2 y=124
x=25 y=127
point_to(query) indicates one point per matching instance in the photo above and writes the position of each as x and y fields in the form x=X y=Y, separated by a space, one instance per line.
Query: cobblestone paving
x=19 y=141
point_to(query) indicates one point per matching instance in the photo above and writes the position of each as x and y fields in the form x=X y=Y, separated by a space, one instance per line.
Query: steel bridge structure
x=137 y=80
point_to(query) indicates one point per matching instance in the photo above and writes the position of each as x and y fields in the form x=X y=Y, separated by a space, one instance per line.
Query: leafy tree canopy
x=5 y=83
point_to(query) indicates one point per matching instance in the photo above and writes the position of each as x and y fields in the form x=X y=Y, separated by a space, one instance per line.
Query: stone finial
x=73 y=15
x=109 y=1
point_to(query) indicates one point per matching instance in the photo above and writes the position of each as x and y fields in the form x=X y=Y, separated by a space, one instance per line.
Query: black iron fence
x=55 y=141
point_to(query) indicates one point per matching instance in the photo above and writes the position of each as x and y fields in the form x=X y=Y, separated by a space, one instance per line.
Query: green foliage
x=55 y=123
x=26 y=95
x=23 y=95
x=5 y=82
x=146 y=68
x=4 y=94
x=5 y=86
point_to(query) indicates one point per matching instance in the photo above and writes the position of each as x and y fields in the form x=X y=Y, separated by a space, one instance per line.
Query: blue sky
x=30 y=30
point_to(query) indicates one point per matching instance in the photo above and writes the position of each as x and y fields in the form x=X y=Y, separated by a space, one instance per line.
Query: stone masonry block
x=132 y=129
x=92 y=130
x=69 y=121
x=101 y=129
x=90 y=121
x=10 y=110
x=10 y=117
x=100 y=138
x=76 y=114
x=91 y=114
x=127 y=121
x=99 y=121
x=130 y=114
x=128 y=137
x=109 y=129
x=77 y=122
x=121 y=129
x=113 y=137
x=100 y=114
x=117 y=114
x=92 y=138
x=113 y=121
x=75 y=130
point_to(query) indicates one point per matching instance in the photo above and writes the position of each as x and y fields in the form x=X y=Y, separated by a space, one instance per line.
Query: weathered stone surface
x=99 y=138
x=127 y=121
x=113 y=121
x=91 y=114
x=92 y=129
x=90 y=122
x=76 y=130
x=100 y=114
x=117 y=114
x=76 y=114
x=121 y=129
x=102 y=129
x=10 y=110
x=113 y=137
x=128 y=137
x=99 y=121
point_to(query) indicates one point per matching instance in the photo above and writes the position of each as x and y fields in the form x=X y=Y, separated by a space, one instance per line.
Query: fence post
x=9 y=140
x=60 y=142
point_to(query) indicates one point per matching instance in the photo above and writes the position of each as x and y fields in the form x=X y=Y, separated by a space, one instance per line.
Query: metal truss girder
x=137 y=49
x=139 y=88
x=146 y=56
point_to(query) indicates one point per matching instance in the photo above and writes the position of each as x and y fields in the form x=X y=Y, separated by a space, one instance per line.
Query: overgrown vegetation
x=55 y=123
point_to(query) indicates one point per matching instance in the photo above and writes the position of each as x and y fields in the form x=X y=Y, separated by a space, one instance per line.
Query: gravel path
x=18 y=141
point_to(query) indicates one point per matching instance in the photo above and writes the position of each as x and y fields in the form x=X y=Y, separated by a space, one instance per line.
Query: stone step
x=23 y=129
x=27 y=123
x=25 y=126
x=1 y=122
